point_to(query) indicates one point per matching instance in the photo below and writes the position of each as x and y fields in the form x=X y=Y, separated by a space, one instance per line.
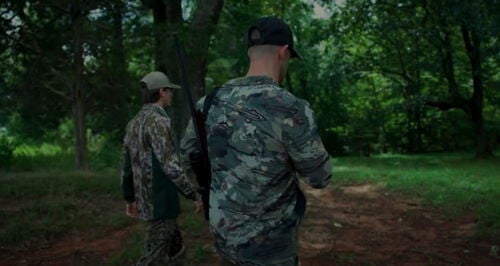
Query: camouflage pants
x=163 y=244
x=277 y=247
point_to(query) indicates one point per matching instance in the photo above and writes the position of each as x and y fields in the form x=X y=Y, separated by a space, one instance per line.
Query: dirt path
x=356 y=225
x=71 y=250
x=361 y=225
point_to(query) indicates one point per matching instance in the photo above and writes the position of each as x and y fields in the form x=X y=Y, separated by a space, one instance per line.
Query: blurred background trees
x=382 y=76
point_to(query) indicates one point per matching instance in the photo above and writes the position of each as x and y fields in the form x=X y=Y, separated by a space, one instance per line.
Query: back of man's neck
x=261 y=73
x=263 y=69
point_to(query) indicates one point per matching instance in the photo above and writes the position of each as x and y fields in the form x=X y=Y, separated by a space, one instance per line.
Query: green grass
x=42 y=199
x=456 y=183
x=131 y=253
x=46 y=156
x=45 y=205
x=193 y=224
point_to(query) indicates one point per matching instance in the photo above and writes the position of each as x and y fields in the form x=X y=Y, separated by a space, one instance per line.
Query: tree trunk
x=416 y=127
x=167 y=21
x=78 y=93
x=418 y=119
x=473 y=106
x=472 y=44
x=195 y=39
x=119 y=78
x=200 y=31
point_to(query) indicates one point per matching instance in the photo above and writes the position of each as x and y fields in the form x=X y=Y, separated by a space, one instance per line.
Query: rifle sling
x=208 y=103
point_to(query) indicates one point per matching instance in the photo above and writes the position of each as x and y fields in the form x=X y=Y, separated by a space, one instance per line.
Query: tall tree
x=107 y=72
x=78 y=90
x=195 y=34
x=405 y=38
x=50 y=74
x=472 y=27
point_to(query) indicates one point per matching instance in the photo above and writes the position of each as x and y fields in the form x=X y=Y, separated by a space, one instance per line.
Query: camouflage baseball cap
x=157 y=80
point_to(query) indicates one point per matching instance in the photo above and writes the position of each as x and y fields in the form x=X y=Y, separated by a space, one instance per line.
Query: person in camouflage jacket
x=261 y=140
x=151 y=175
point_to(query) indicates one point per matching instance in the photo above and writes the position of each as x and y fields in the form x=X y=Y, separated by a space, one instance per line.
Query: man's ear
x=163 y=91
x=283 y=51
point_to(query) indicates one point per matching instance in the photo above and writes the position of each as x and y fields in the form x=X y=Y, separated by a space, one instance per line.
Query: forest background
x=382 y=76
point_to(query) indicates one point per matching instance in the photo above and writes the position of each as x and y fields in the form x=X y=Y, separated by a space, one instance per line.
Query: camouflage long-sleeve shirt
x=261 y=139
x=151 y=173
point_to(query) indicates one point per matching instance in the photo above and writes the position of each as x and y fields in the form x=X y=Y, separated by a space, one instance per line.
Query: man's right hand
x=131 y=210
x=198 y=206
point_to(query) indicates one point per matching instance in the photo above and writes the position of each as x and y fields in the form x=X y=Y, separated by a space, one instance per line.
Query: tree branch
x=446 y=105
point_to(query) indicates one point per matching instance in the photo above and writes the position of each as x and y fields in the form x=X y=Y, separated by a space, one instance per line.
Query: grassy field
x=47 y=200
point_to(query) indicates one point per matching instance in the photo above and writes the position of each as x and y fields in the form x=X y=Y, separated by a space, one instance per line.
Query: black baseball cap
x=273 y=31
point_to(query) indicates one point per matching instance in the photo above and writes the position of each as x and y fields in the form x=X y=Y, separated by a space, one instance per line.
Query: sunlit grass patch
x=47 y=156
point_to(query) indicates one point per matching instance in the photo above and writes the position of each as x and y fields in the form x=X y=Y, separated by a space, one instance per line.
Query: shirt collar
x=155 y=108
x=252 y=80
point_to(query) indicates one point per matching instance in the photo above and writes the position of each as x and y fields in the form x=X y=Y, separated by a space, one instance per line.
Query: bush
x=103 y=153
x=6 y=152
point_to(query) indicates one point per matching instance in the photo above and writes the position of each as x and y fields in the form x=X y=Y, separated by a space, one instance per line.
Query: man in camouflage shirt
x=261 y=140
x=151 y=174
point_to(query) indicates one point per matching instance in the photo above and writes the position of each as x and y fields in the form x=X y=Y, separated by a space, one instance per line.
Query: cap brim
x=294 y=53
x=173 y=86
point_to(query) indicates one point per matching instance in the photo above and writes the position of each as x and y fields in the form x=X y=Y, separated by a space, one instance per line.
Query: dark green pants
x=163 y=244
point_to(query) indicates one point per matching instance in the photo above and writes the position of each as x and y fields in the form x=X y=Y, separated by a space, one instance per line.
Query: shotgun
x=200 y=162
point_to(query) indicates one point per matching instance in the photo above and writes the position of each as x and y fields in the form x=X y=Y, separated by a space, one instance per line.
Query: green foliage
x=368 y=70
x=6 y=151
x=393 y=63
x=57 y=152
x=104 y=152
x=454 y=182
x=40 y=49
x=43 y=156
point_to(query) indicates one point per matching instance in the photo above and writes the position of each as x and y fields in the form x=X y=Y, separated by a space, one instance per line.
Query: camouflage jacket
x=261 y=139
x=151 y=174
